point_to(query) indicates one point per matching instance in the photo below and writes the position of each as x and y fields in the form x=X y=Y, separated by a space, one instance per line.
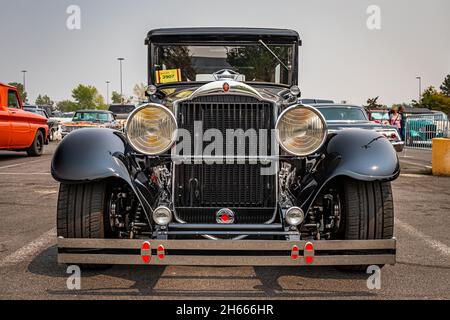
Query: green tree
x=434 y=100
x=67 y=106
x=88 y=97
x=117 y=98
x=445 y=87
x=22 y=93
x=373 y=104
x=178 y=57
x=257 y=63
x=43 y=100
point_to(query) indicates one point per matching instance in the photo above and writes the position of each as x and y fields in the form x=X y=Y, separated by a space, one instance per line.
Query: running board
x=226 y=252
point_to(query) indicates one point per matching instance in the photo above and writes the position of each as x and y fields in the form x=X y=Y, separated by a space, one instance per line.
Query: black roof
x=222 y=34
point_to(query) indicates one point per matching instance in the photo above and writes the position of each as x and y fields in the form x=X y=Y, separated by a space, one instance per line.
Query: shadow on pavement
x=145 y=279
x=5 y=156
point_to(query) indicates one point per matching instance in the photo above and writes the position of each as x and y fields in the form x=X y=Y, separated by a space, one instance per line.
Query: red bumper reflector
x=294 y=252
x=309 y=253
x=161 y=252
x=146 y=252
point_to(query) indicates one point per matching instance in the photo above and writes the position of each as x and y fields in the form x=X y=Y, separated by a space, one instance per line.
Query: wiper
x=274 y=54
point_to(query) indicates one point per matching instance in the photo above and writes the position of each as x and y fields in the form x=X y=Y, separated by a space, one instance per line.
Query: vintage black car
x=222 y=166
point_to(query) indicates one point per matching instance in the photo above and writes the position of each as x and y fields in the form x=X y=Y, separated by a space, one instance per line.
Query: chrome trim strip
x=91 y=243
x=216 y=88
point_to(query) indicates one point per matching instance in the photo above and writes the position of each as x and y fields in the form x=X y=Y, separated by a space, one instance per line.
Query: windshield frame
x=152 y=51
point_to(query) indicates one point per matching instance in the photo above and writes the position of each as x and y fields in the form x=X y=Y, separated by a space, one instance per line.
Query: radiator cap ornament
x=225 y=216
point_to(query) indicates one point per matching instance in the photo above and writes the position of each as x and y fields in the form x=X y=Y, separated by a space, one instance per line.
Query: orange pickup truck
x=20 y=130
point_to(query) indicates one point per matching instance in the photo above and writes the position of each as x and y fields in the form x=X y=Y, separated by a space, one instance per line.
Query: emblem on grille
x=225 y=216
x=226 y=87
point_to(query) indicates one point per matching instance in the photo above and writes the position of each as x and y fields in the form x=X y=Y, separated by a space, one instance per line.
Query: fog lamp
x=294 y=216
x=162 y=216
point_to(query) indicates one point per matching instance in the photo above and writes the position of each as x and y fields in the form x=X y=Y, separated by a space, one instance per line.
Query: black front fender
x=356 y=153
x=94 y=154
x=361 y=154
x=89 y=154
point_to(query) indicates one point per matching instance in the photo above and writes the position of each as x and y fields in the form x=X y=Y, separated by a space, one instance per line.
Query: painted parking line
x=435 y=244
x=23 y=163
x=24 y=173
x=29 y=250
x=415 y=164
x=413 y=175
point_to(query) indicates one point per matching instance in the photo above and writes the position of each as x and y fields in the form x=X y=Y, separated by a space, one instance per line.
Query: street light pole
x=121 y=84
x=420 y=88
x=23 y=81
x=107 y=92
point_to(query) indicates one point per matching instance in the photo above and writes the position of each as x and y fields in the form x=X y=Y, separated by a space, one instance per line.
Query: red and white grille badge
x=225 y=216
x=226 y=87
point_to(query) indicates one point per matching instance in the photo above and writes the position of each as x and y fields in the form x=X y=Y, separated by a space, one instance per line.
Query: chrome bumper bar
x=226 y=252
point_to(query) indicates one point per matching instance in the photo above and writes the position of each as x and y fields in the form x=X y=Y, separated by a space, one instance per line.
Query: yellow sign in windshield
x=166 y=76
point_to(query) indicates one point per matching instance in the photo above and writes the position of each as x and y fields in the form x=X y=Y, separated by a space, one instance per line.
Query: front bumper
x=227 y=252
x=398 y=146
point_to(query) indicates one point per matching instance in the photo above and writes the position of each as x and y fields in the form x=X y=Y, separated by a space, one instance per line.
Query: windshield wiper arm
x=274 y=54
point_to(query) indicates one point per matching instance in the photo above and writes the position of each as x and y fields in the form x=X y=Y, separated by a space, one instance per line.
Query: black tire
x=51 y=135
x=37 y=147
x=368 y=208
x=81 y=213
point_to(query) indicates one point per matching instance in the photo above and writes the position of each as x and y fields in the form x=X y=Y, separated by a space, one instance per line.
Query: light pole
x=23 y=81
x=107 y=92
x=420 y=88
x=121 y=85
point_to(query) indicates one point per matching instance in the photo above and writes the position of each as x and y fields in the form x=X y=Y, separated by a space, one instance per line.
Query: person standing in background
x=401 y=111
x=395 y=119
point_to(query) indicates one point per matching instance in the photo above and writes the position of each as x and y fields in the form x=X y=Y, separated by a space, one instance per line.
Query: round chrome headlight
x=151 y=129
x=301 y=130
x=294 y=216
x=162 y=216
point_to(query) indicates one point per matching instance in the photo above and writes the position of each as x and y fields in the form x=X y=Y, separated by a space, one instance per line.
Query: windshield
x=343 y=114
x=379 y=116
x=90 y=116
x=253 y=62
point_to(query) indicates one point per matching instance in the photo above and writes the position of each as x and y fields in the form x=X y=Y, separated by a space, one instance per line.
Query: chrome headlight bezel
x=316 y=113
x=129 y=124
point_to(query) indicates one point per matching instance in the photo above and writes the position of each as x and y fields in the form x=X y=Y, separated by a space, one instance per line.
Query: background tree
x=434 y=100
x=178 y=57
x=88 y=97
x=67 y=106
x=445 y=87
x=257 y=63
x=117 y=98
x=373 y=104
x=22 y=93
x=44 y=101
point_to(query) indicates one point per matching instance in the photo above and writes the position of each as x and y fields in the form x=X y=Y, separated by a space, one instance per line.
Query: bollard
x=441 y=157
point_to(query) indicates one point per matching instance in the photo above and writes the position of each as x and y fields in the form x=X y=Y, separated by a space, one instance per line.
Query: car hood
x=83 y=124
x=358 y=125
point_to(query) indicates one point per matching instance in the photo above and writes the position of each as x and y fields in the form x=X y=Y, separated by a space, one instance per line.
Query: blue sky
x=341 y=58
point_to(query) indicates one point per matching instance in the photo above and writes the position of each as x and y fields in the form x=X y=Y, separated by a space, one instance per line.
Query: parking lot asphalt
x=28 y=268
